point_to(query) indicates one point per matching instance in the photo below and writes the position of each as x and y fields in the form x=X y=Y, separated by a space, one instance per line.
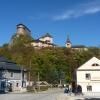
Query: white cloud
x=65 y=15
x=92 y=10
x=86 y=9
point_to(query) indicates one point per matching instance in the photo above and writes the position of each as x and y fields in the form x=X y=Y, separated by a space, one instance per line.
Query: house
x=44 y=41
x=68 y=44
x=88 y=75
x=12 y=76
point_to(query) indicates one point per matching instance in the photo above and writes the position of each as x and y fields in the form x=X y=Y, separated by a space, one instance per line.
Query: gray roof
x=46 y=35
x=18 y=25
x=78 y=46
x=68 y=39
x=6 y=64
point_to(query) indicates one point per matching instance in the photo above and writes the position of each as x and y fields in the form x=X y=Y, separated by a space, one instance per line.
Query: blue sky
x=80 y=19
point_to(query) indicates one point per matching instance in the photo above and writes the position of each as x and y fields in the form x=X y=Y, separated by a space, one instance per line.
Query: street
x=49 y=95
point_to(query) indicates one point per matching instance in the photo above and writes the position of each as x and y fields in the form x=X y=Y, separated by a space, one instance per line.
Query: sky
x=80 y=19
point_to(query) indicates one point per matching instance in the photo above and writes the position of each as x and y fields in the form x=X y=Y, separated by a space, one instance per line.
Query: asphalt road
x=49 y=95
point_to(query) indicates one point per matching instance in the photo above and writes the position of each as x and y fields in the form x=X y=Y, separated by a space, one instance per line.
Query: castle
x=44 y=41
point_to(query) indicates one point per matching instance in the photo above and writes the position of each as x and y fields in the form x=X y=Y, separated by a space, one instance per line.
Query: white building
x=46 y=38
x=68 y=44
x=44 y=41
x=88 y=75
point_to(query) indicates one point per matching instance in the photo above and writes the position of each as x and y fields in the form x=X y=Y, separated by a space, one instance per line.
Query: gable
x=92 y=64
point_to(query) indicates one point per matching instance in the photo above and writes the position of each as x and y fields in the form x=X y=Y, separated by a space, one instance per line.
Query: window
x=88 y=76
x=68 y=44
x=11 y=74
x=47 y=41
x=95 y=64
x=89 y=88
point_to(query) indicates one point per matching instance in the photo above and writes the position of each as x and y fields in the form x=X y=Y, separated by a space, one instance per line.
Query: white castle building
x=44 y=41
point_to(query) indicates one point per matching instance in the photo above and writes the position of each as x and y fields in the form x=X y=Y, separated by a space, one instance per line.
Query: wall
x=94 y=81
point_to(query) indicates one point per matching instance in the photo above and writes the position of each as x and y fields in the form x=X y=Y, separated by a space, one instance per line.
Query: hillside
x=52 y=64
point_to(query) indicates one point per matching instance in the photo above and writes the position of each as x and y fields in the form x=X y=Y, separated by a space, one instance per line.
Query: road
x=49 y=95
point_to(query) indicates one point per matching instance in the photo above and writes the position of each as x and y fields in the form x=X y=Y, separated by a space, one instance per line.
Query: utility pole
x=29 y=72
x=22 y=75
x=60 y=82
x=38 y=81
x=38 y=76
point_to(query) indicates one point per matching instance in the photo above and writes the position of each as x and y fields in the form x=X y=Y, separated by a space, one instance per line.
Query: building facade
x=44 y=41
x=88 y=75
x=12 y=76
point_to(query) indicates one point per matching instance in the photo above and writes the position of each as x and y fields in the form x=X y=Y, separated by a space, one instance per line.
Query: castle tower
x=22 y=30
x=68 y=42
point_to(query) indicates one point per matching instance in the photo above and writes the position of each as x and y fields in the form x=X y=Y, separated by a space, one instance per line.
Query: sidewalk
x=68 y=97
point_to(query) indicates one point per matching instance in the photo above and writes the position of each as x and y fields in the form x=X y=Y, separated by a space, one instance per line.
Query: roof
x=3 y=59
x=89 y=65
x=37 y=41
x=6 y=64
x=68 y=39
x=46 y=35
x=78 y=46
x=23 y=26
